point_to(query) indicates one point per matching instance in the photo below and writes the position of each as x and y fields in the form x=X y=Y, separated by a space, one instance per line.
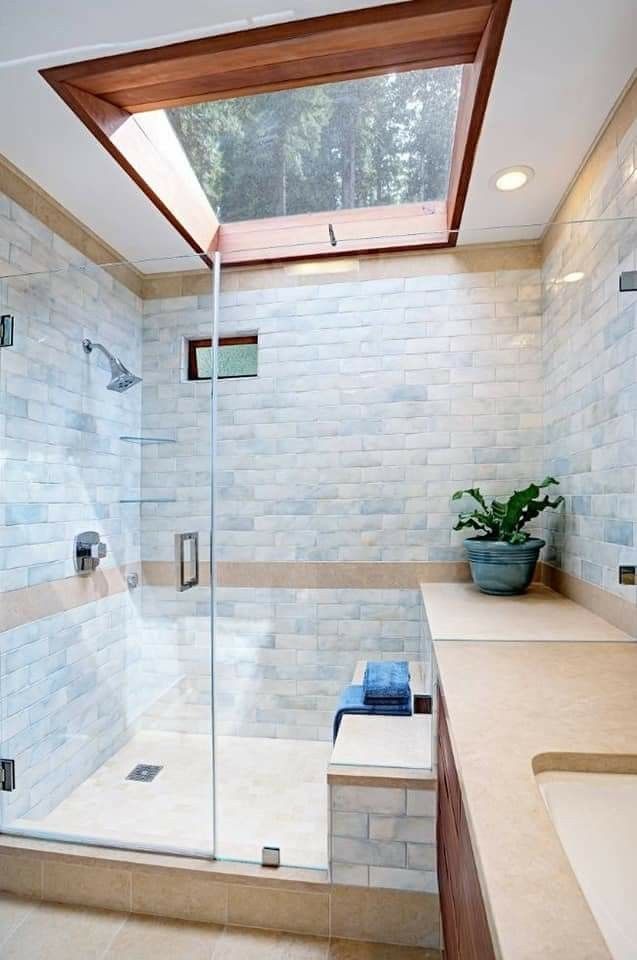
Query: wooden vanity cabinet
x=464 y=920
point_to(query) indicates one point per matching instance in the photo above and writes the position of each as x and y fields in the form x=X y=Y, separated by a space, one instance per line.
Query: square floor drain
x=144 y=773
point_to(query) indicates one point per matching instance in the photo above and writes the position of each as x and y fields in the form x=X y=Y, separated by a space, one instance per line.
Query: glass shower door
x=105 y=688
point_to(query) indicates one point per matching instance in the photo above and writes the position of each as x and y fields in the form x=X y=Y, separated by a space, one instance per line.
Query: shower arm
x=90 y=345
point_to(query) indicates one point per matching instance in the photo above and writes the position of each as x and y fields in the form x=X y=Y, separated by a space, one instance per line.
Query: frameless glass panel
x=359 y=143
x=105 y=644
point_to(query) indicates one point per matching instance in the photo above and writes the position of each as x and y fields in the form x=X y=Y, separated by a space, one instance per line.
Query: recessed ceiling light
x=512 y=178
x=573 y=277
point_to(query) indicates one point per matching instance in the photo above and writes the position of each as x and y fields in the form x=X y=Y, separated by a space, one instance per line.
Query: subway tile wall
x=282 y=656
x=590 y=371
x=374 y=402
x=63 y=679
x=383 y=837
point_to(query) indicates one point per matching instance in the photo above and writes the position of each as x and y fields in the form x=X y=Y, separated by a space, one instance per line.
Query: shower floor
x=270 y=793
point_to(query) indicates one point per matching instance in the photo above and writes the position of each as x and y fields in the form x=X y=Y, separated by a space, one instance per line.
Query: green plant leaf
x=504 y=521
x=472 y=492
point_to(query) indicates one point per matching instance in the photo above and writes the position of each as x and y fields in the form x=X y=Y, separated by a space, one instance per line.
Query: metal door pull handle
x=187 y=560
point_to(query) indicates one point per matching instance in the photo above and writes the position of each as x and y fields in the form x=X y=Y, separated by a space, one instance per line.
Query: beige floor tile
x=13 y=912
x=58 y=932
x=239 y=944
x=354 y=950
x=149 y=938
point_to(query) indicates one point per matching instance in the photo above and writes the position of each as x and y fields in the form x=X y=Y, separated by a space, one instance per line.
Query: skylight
x=379 y=141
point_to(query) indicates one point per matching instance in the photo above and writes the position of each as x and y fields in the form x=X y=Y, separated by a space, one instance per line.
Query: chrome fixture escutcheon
x=88 y=551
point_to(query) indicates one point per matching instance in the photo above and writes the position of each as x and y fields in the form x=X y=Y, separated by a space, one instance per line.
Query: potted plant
x=503 y=557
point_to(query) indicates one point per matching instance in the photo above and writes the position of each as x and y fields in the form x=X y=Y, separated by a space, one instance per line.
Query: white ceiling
x=562 y=67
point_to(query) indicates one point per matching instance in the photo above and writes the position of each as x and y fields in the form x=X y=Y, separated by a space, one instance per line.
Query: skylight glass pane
x=359 y=143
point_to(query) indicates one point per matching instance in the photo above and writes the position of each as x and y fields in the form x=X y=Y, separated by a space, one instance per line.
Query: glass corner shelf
x=149 y=500
x=148 y=439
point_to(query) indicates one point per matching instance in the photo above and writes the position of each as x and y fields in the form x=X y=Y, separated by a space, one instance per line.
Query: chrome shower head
x=121 y=377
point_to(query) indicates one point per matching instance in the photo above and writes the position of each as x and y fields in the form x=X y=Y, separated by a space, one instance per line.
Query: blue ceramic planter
x=503 y=569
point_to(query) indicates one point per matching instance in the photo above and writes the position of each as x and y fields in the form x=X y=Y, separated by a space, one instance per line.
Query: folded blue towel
x=352 y=701
x=386 y=681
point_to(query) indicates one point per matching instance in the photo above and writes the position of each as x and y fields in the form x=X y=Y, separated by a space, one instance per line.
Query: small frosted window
x=237 y=357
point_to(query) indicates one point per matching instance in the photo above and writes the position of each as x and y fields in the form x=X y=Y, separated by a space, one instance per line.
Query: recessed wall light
x=512 y=178
x=574 y=277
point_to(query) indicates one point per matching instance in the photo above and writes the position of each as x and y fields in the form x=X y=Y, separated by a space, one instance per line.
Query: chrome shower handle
x=187 y=542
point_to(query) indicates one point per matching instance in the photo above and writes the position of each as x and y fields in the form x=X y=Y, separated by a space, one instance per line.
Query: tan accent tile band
x=28 y=194
x=478 y=258
x=186 y=283
x=315 y=575
x=209 y=891
x=47 y=599
x=621 y=613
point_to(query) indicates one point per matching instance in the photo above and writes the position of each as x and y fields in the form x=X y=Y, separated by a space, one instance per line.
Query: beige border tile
x=606 y=605
x=182 y=894
x=20 y=875
x=303 y=575
x=292 y=912
x=46 y=599
x=386 y=916
x=104 y=886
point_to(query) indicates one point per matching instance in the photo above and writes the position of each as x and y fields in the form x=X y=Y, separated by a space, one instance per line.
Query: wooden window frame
x=108 y=93
x=194 y=345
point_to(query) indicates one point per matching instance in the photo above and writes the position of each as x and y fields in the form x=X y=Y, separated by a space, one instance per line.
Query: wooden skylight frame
x=108 y=93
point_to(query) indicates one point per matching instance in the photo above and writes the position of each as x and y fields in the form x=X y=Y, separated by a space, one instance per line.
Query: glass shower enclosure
x=106 y=649
x=183 y=487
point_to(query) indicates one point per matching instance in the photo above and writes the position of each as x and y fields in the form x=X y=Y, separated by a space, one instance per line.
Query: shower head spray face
x=121 y=377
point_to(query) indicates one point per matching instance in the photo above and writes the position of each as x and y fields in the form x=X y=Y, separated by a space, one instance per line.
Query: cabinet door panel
x=464 y=920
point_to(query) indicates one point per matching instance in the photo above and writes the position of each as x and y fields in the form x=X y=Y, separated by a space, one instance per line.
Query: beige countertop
x=514 y=706
x=458 y=611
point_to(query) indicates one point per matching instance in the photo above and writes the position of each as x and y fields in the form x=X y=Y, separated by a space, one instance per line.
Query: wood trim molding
x=105 y=93
x=477 y=79
x=358 y=232
x=415 y=34
x=121 y=135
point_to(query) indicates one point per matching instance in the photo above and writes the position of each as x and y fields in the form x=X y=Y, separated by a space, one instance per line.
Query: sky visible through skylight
x=358 y=143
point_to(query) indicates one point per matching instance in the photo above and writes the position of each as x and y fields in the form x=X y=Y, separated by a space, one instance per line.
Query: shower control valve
x=88 y=552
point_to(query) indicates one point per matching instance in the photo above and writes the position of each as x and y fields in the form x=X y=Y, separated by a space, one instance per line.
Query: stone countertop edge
x=582 y=717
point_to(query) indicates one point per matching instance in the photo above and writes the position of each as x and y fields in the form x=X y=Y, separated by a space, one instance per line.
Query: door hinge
x=7 y=775
x=6 y=330
x=270 y=857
